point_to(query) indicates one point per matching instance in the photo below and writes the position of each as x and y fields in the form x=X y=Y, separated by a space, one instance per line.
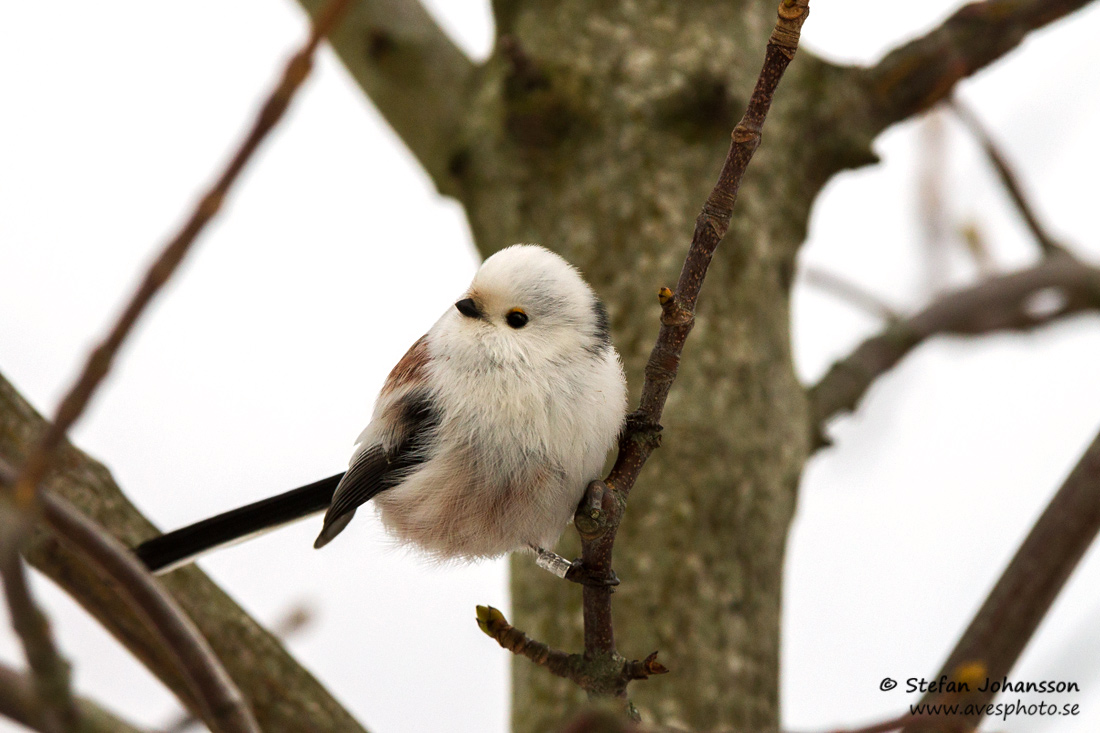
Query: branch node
x=644 y=669
x=744 y=134
x=600 y=510
x=673 y=312
x=641 y=429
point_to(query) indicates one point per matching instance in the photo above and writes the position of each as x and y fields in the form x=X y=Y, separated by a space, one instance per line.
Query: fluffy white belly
x=462 y=505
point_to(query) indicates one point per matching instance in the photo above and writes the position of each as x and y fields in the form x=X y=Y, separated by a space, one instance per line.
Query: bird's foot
x=578 y=572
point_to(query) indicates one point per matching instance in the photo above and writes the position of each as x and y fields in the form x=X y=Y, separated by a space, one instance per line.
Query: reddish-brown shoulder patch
x=410 y=368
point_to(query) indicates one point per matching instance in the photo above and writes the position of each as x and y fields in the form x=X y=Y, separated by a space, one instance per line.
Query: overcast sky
x=258 y=367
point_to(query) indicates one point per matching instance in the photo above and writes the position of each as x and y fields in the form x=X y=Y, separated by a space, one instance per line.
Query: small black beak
x=468 y=308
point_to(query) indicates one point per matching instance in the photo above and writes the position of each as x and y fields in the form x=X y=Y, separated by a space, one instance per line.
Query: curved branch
x=1007 y=302
x=282 y=694
x=912 y=78
x=1025 y=591
x=222 y=705
x=850 y=292
x=413 y=73
x=51 y=677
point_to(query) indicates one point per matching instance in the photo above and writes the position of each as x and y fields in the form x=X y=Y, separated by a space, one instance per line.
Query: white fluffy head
x=528 y=305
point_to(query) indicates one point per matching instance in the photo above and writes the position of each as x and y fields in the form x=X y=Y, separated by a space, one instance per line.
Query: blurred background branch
x=49 y=693
x=1004 y=625
x=212 y=691
x=850 y=292
x=1008 y=178
x=914 y=77
x=1055 y=288
x=20 y=702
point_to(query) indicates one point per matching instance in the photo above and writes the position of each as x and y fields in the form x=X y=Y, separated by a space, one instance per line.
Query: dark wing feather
x=374 y=471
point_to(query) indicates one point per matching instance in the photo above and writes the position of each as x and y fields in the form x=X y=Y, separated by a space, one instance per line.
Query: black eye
x=468 y=308
x=516 y=318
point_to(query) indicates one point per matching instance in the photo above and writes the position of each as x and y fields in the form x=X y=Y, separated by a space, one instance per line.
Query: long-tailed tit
x=483 y=437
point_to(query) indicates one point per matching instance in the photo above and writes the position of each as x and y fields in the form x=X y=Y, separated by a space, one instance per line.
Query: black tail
x=180 y=546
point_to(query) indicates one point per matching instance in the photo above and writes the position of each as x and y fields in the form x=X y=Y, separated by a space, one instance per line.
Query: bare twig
x=50 y=672
x=1054 y=288
x=600 y=511
x=1025 y=591
x=19 y=702
x=924 y=71
x=576 y=667
x=99 y=362
x=222 y=706
x=1048 y=244
x=850 y=292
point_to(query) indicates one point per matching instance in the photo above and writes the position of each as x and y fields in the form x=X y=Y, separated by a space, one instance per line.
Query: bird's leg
x=551 y=561
x=573 y=571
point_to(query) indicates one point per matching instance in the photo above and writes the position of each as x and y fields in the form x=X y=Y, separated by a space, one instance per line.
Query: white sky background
x=258 y=366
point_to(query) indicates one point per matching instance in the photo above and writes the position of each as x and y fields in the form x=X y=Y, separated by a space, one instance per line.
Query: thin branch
x=1025 y=591
x=413 y=73
x=852 y=293
x=19 y=702
x=1056 y=287
x=222 y=706
x=600 y=513
x=575 y=667
x=50 y=672
x=916 y=76
x=221 y=703
x=1048 y=244
x=99 y=362
x=598 y=516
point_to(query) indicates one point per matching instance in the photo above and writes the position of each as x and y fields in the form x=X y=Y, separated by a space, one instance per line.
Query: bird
x=483 y=437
